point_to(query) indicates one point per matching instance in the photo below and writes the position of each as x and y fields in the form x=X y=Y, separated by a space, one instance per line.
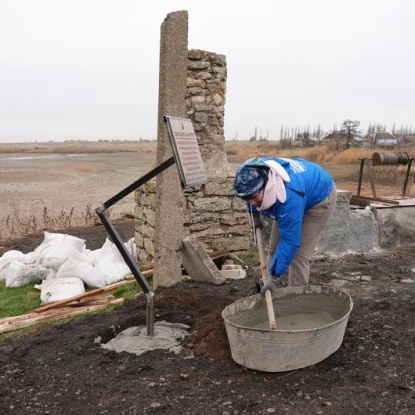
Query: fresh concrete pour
x=311 y=321
x=297 y=321
x=292 y=313
x=135 y=340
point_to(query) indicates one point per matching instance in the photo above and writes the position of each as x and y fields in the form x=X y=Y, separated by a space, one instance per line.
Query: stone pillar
x=206 y=97
x=169 y=196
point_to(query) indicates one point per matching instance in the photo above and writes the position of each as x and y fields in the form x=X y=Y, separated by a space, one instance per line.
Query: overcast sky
x=88 y=69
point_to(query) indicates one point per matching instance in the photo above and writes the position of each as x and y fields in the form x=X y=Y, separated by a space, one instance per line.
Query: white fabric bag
x=60 y=289
x=91 y=276
x=19 y=274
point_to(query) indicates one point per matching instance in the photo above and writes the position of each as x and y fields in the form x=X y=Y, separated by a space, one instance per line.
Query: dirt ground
x=60 y=369
x=47 y=190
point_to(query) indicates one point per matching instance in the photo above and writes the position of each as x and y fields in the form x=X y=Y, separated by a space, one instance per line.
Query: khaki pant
x=315 y=221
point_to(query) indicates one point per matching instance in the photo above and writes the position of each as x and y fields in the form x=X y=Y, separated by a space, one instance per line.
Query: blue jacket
x=309 y=185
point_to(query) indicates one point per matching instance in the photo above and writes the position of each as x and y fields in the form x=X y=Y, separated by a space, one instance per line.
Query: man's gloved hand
x=270 y=284
x=257 y=221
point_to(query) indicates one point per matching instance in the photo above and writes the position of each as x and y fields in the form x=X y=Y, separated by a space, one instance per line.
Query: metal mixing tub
x=311 y=321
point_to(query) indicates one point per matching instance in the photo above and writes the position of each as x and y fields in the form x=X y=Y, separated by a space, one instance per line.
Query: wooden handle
x=264 y=273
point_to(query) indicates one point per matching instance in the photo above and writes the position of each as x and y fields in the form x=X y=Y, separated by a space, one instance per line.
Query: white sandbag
x=55 y=254
x=108 y=247
x=92 y=277
x=10 y=256
x=131 y=247
x=51 y=274
x=112 y=263
x=92 y=256
x=54 y=239
x=60 y=289
x=19 y=274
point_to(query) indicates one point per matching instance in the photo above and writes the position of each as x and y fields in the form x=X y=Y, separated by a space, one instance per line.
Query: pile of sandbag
x=64 y=266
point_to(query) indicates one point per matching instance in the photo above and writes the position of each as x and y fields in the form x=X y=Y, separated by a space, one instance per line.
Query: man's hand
x=270 y=284
x=257 y=221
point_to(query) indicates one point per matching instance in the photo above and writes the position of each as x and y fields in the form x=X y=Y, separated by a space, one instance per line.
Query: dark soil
x=60 y=370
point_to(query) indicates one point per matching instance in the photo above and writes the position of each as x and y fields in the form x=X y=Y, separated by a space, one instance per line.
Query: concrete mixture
x=135 y=339
x=311 y=322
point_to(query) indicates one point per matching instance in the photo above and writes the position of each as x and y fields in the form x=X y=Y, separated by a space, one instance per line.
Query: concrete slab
x=233 y=272
x=198 y=263
x=370 y=228
x=135 y=340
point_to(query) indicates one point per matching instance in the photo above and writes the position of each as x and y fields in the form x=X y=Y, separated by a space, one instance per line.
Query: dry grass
x=19 y=224
x=387 y=179
x=11 y=177
x=80 y=147
x=322 y=155
x=85 y=167
x=344 y=166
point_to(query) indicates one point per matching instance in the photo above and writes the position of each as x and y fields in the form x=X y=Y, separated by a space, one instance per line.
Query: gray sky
x=88 y=69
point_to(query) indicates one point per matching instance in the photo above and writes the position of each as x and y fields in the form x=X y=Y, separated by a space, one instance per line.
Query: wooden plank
x=366 y=201
x=264 y=272
x=92 y=293
x=91 y=301
x=56 y=315
x=58 y=304
x=9 y=320
x=218 y=254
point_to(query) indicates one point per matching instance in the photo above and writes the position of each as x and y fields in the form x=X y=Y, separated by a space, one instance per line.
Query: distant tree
x=380 y=128
x=318 y=135
x=334 y=140
x=305 y=138
x=349 y=131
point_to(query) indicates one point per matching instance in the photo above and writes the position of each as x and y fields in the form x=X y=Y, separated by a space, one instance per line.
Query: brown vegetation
x=18 y=224
x=85 y=167
x=321 y=155
x=342 y=165
x=79 y=147
x=10 y=177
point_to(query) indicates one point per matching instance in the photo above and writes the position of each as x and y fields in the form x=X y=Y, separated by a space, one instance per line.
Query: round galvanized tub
x=311 y=321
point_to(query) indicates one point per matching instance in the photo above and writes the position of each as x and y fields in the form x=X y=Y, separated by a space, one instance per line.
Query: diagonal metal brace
x=120 y=245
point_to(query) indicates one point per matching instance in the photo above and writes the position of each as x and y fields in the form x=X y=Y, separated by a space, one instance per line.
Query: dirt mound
x=63 y=369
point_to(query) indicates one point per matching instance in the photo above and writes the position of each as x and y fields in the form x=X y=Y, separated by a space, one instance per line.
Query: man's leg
x=315 y=221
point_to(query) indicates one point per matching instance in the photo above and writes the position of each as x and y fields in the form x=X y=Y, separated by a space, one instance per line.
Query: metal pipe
x=407 y=177
x=142 y=282
x=390 y=159
x=359 y=185
x=133 y=186
x=123 y=251
x=150 y=314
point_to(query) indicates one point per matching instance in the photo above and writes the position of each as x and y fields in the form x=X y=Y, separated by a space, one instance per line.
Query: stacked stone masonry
x=211 y=213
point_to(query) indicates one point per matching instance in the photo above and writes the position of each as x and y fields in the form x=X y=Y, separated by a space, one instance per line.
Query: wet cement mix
x=64 y=369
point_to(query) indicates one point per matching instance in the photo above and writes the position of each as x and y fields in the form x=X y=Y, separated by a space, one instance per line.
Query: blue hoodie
x=309 y=186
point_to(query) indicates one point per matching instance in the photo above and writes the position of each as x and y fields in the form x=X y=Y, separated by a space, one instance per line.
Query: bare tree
x=350 y=131
x=319 y=133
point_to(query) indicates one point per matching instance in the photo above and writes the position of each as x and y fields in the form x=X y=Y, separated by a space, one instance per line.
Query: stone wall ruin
x=211 y=212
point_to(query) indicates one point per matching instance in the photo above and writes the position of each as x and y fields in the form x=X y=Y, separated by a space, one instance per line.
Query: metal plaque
x=186 y=151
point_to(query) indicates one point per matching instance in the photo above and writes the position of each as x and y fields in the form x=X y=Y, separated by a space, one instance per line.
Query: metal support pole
x=359 y=186
x=131 y=263
x=153 y=173
x=368 y=163
x=150 y=314
x=406 y=177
